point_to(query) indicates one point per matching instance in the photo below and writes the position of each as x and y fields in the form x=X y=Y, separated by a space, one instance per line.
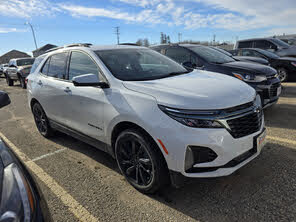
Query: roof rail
x=127 y=43
x=70 y=45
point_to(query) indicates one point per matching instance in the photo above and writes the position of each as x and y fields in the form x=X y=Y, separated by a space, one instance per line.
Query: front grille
x=245 y=125
x=273 y=90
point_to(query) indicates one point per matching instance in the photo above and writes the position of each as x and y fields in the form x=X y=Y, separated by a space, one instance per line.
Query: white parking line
x=73 y=205
x=48 y=154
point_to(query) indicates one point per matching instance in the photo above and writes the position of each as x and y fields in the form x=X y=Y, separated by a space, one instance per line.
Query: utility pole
x=33 y=33
x=214 y=39
x=117 y=33
x=180 y=37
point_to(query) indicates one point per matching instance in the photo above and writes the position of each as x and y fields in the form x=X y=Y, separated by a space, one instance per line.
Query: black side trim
x=80 y=136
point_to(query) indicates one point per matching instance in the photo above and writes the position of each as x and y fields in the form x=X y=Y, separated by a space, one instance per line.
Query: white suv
x=157 y=119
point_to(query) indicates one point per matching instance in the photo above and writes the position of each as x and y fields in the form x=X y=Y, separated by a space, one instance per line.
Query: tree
x=168 y=39
x=143 y=42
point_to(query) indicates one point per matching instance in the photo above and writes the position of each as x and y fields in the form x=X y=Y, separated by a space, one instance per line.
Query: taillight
x=26 y=80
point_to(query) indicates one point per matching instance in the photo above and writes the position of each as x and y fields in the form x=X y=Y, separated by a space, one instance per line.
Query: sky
x=63 y=22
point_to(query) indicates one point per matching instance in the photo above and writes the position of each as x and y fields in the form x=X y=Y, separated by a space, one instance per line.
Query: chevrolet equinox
x=160 y=121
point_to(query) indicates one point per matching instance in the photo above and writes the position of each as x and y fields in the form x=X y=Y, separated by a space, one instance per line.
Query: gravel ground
x=264 y=190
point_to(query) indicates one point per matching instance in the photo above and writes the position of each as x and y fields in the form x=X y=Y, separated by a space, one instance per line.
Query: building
x=42 y=49
x=12 y=55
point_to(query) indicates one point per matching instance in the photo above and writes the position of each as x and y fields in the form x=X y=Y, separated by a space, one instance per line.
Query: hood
x=196 y=90
x=253 y=68
x=291 y=59
x=291 y=51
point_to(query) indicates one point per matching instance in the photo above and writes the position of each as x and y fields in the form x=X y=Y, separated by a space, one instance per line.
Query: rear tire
x=140 y=161
x=283 y=74
x=9 y=81
x=41 y=121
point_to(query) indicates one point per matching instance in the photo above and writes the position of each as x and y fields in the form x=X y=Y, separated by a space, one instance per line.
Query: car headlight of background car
x=250 y=77
x=197 y=119
x=17 y=201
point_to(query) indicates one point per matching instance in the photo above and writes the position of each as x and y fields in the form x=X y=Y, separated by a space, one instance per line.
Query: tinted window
x=139 y=64
x=36 y=63
x=263 y=44
x=211 y=55
x=247 y=52
x=57 y=66
x=246 y=44
x=178 y=54
x=280 y=43
x=25 y=62
x=268 y=54
x=81 y=64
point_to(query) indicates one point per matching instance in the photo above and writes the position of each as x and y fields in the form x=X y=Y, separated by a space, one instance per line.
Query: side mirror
x=188 y=65
x=89 y=80
x=4 y=99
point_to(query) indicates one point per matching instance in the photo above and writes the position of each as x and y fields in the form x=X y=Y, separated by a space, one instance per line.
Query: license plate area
x=260 y=140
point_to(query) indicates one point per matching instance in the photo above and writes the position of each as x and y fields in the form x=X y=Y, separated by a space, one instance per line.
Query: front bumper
x=227 y=148
x=268 y=91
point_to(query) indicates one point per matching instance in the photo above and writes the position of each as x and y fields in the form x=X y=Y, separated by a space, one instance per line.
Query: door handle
x=39 y=83
x=67 y=90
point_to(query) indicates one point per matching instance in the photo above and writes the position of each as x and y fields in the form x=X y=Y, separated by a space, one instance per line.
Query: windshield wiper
x=177 y=73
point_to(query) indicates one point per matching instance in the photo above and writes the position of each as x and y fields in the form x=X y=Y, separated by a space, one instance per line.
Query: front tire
x=140 y=161
x=283 y=74
x=41 y=121
x=22 y=82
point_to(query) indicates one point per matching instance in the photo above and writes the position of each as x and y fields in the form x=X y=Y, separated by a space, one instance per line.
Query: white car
x=157 y=119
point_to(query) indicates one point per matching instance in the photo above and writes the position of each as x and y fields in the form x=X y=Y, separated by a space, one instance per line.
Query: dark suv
x=262 y=78
x=275 y=45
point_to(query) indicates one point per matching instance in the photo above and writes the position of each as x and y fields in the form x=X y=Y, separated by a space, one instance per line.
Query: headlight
x=17 y=201
x=293 y=63
x=197 y=119
x=250 y=77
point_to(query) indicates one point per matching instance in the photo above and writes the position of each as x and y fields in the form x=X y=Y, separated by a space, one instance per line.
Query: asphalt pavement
x=81 y=183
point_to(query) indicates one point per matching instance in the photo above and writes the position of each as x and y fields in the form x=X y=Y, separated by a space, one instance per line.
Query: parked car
x=243 y=58
x=275 y=45
x=18 y=69
x=3 y=68
x=160 y=121
x=21 y=199
x=262 y=78
x=286 y=66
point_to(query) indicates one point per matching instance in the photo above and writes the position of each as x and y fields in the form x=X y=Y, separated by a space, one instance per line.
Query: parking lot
x=81 y=183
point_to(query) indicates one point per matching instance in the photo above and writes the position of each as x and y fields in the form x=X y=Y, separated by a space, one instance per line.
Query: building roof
x=11 y=55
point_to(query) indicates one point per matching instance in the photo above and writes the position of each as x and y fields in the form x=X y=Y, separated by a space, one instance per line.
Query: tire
x=9 y=81
x=283 y=74
x=22 y=82
x=41 y=121
x=140 y=161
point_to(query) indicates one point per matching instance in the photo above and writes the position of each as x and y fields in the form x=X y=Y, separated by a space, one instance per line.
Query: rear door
x=52 y=87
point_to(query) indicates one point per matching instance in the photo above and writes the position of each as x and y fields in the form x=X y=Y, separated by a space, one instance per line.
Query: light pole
x=28 y=23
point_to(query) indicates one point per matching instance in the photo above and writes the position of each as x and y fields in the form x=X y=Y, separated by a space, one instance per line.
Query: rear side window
x=57 y=66
x=180 y=55
x=263 y=44
x=246 y=44
x=44 y=69
x=36 y=63
x=81 y=64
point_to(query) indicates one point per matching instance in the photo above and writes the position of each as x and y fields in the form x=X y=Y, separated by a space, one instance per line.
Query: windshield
x=211 y=55
x=24 y=62
x=139 y=64
x=280 y=43
x=223 y=51
x=268 y=54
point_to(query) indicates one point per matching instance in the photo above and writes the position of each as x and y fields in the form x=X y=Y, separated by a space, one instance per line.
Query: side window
x=81 y=64
x=263 y=44
x=178 y=54
x=57 y=66
x=45 y=67
x=246 y=44
x=246 y=52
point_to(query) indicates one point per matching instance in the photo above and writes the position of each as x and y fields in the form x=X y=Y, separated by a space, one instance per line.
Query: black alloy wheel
x=41 y=120
x=9 y=81
x=22 y=82
x=139 y=162
x=283 y=74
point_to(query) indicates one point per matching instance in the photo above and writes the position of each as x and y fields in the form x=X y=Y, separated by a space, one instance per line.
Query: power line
x=117 y=33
